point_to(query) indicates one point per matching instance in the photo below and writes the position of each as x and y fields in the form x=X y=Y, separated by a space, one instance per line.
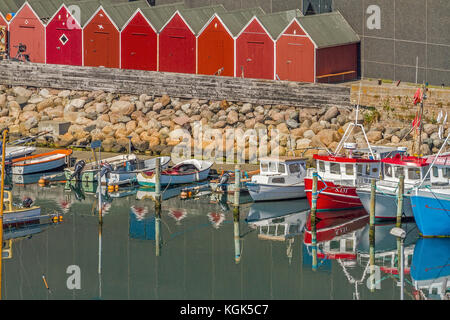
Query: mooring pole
x=4 y=133
x=372 y=232
x=236 y=214
x=157 y=206
x=401 y=188
x=313 y=220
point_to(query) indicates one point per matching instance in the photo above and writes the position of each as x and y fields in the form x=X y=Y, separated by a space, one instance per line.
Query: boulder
x=121 y=107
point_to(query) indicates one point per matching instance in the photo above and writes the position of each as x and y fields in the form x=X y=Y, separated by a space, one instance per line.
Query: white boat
x=40 y=162
x=187 y=171
x=13 y=152
x=412 y=168
x=280 y=178
x=129 y=176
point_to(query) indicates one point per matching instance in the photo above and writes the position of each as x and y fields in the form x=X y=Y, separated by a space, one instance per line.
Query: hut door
x=101 y=49
x=137 y=55
x=294 y=62
x=255 y=63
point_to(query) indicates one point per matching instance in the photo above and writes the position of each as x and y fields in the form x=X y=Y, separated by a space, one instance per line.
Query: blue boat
x=431 y=202
x=430 y=268
x=431 y=209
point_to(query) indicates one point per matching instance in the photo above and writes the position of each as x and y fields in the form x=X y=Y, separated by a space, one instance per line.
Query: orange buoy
x=116 y=187
x=8 y=17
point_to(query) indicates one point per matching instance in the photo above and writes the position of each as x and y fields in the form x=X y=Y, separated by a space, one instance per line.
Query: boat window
x=359 y=169
x=435 y=172
x=399 y=171
x=321 y=166
x=273 y=166
x=294 y=168
x=349 y=169
x=281 y=168
x=413 y=173
x=446 y=172
x=277 y=180
x=388 y=170
x=335 y=168
x=264 y=167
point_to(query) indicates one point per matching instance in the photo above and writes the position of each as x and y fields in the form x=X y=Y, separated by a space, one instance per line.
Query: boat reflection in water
x=279 y=221
x=430 y=269
x=337 y=234
x=268 y=210
x=386 y=246
x=13 y=233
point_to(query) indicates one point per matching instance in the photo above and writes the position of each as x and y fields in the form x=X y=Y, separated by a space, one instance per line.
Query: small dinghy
x=187 y=171
x=13 y=152
x=129 y=176
x=40 y=162
x=88 y=172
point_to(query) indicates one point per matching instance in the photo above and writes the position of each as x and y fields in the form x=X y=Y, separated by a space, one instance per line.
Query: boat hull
x=39 y=167
x=266 y=192
x=385 y=204
x=333 y=197
x=432 y=213
x=166 y=179
x=21 y=215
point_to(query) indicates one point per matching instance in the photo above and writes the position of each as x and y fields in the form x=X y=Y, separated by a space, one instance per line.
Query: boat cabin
x=347 y=170
x=282 y=166
x=412 y=168
x=440 y=172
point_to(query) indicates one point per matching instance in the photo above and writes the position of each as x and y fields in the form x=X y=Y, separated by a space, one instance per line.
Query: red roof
x=409 y=161
x=441 y=160
x=342 y=159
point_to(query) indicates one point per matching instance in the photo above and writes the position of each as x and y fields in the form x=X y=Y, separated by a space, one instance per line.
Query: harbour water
x=199 y=259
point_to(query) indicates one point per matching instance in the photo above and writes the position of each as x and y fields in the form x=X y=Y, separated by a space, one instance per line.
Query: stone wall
x=185 y=86
x=397 y=101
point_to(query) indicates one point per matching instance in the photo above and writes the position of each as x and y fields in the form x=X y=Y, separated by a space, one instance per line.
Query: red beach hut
x=177 y=46
x=64 y=39
x=317 y=48
x=178 y=39
x=216 y=49
x=101 y=41
x=255 y=52
x=216 y=41
x=295 y=54
x=27 y=28
x=139 y=44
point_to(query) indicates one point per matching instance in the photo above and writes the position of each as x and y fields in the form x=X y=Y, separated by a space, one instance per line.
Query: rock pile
x=151 y=122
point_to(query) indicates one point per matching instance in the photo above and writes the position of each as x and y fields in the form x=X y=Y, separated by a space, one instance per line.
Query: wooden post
x=401 y=188
x=313 y=220
x=158 y=180
x=237 y=184
x=157 y=230
x=236 y=214
x=4 y=133
x=157 y=206
x=372 y=233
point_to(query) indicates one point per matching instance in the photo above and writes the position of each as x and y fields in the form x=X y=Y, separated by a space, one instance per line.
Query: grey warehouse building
x=404 y=40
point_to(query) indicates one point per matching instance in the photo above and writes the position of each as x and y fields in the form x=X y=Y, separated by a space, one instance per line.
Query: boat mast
x=350 y=128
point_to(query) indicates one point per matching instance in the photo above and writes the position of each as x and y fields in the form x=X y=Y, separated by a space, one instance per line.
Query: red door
x=253 y=68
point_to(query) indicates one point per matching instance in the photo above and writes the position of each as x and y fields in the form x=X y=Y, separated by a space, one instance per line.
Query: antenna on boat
x=350 y=128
